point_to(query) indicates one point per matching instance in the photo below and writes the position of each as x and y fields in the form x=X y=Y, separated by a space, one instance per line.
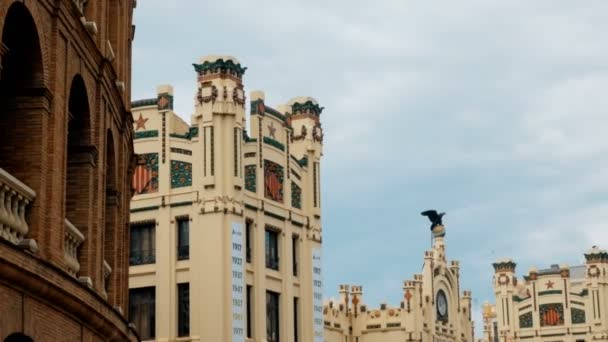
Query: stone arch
x=24 y=101
x=111 y=230
x=80 y=165
x=18 y=337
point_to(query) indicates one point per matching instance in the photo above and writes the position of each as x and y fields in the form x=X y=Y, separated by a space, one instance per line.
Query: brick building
x=66 y=156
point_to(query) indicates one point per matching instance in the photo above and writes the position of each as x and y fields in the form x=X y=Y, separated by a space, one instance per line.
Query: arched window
x=111 y=239
x=23 y=105
x=18 y=337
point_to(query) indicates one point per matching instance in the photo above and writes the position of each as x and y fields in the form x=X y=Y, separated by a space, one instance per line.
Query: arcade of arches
x=65 y=155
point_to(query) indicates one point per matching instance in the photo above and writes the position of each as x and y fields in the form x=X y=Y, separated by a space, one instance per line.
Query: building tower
x=234 y=217
x=432 y=308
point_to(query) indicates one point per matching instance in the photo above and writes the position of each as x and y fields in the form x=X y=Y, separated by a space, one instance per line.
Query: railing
x=142 y=257
x=15 y=197
x=107 y=271
x=183 y=252
x=73 y=238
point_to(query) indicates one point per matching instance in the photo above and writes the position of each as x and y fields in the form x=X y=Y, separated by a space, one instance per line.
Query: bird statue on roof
x=434 y=217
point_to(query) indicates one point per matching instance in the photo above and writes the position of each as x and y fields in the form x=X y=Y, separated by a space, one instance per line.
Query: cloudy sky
x=494 y=111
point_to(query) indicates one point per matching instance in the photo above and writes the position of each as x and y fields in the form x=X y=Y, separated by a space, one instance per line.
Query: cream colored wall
x=415 y=318
x=553 y=286
x=219 y=199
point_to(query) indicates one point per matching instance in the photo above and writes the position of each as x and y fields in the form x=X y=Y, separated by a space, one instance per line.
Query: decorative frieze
x=250 y=178
x=578 y=316
x=307 y=107
x=181 y=174
x=220 y=66
x=181 y=151
x=526 y=320
x=296 y=196
x=275 y=143
x=146 y=134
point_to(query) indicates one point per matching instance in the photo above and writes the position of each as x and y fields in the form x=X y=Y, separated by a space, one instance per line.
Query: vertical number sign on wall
x=238 y=283
x=317 y=295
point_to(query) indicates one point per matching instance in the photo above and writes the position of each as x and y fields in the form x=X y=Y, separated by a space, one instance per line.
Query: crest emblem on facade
x=273 y=181
x=145 y=177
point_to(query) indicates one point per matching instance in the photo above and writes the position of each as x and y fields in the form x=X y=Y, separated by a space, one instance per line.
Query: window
x=272 y=316
x=143 y=242
x=295 y=319
x=294 y=254
x=183 y=238
x=142 y=306
x=272 y=250
x=248 y=226
x=249 y=300
x=183 y=309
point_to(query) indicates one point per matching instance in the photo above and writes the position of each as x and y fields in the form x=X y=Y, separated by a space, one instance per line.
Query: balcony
x=142 y=257
x=15 y=198
x=73 y=238
x=183 y=252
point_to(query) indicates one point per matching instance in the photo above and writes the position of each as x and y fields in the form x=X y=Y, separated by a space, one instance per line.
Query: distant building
x=557 y=304
x=432 y=308
x=66 y=158
x=226 y=224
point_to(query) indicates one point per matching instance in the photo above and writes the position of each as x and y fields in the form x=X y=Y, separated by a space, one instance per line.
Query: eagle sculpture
x=434 y=217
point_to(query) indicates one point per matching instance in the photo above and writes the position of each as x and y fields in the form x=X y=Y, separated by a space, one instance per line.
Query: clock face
x=442 y=305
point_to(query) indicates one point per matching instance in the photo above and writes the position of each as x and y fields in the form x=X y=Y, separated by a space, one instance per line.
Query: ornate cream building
x=557 y=304
x=432 y=308
x=226 y=224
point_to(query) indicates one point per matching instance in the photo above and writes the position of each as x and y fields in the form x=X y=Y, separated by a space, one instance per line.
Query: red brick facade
x=66 y=132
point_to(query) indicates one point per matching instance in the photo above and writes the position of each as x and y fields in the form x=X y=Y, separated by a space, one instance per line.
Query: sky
x=492 y=111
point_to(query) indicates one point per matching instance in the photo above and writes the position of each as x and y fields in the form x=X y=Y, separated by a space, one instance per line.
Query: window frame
x=183 y=251
x=272 y=248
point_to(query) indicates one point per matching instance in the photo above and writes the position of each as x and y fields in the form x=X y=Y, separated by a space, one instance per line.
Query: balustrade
x=73 y=238
x=15 y=198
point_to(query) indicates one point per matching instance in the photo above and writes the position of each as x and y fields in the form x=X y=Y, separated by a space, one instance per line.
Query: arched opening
x=18 y=337
x=111 y=240
x=79 y=174
x=21 y=101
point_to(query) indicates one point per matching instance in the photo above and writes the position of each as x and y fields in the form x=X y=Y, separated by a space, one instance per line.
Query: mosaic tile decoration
x=296 y=196
x=525 y=320
x=551 y=314
x=578 y=316
x=181 y=174
x=145 y=177
x=273 y=181
x=250 y=178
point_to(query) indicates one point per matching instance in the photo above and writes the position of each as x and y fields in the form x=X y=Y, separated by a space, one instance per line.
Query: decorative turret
x=344 y=293
x=504 y=265
x=220 y=81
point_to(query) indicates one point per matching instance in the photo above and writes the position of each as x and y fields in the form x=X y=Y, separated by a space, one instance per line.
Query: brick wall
x=54 y=71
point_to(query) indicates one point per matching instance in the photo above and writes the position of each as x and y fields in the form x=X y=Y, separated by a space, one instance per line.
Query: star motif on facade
x=272 y=130
x=549 y=284
x=140 y=123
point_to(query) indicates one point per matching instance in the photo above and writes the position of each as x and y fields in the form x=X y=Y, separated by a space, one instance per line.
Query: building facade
x=66 y=158
x=226 y=224
x=432 y=308
x=557 y=304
